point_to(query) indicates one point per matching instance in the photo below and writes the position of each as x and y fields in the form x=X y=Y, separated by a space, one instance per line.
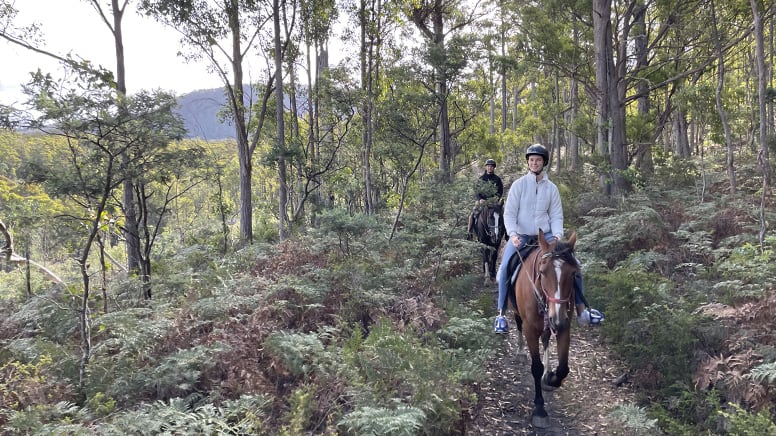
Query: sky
x=73 y=26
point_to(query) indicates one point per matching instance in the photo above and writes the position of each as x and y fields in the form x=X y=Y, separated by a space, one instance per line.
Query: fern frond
x=634 y=418
x=765 y=373
x=368 y=421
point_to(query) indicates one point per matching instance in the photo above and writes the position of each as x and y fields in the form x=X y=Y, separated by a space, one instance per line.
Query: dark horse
x=490 y=230
x=544 y=290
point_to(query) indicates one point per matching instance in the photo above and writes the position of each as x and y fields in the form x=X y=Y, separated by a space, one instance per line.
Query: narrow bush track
x=596 y=386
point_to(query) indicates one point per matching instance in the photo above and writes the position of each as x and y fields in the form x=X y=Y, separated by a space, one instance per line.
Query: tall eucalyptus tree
x=762 y=96
x=554 y=39
x=99 y=133
x=610 y=140
x=408 y=126
x=28 y=37
x=730 y=162
x=316 y=26
x=437 y=20
x=113 y=19
x=279 y=111
x=224 y=32
x=370 y=23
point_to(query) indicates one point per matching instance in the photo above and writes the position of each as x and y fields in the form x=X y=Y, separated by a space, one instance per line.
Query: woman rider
x=533 y=203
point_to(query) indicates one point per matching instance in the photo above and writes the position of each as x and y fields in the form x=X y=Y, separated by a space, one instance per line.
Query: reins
x=539 y=300
x=542 y=297
x=491 y=233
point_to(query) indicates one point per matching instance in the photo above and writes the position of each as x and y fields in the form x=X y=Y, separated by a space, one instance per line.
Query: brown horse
x=544 y=291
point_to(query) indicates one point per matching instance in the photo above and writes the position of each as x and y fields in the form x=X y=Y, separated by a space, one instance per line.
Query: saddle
x=514 y=264
x=513 y=267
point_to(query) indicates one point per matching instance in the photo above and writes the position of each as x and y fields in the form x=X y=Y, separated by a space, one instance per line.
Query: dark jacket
x=495 y=180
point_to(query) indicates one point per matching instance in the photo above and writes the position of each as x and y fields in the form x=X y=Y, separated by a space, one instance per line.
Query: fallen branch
x=10 y=255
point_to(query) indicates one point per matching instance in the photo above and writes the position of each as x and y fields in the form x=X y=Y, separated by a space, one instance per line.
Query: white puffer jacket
x=532 y=206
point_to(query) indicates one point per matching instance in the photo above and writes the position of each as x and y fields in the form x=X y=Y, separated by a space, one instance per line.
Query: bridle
x=492 y=233
x=543 y=297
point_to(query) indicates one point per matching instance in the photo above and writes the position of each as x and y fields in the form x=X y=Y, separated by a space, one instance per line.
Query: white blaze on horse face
x=557 y=263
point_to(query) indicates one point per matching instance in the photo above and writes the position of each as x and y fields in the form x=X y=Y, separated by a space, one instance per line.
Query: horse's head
x=490 y=224
x=557 y=267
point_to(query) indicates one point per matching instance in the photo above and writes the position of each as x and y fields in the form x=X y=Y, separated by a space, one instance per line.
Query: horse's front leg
x=553 y=379
x=539 y=417
x=485 y=251
x=546 y=358
x=492 y=263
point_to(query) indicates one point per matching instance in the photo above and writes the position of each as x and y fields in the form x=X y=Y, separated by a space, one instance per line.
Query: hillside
x=200 y=112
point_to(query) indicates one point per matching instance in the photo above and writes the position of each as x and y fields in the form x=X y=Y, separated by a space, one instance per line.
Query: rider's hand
x=515 y=240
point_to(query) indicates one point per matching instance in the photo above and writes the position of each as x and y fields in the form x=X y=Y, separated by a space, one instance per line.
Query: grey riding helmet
x=540 y=150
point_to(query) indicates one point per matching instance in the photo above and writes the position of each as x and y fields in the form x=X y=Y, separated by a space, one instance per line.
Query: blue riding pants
x=503 y=280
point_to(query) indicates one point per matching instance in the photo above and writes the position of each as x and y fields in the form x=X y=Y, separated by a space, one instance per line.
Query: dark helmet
x=490 y=162
x=538 y=149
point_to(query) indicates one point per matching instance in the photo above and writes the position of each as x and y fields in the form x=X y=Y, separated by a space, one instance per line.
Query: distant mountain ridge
x=200 y=109
x=200 y=112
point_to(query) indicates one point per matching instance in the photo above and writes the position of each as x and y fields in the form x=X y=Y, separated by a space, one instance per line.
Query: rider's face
x=489 y=168
x=535 y=163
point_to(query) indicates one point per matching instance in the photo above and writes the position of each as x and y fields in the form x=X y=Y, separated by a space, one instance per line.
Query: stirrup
x=500 y=325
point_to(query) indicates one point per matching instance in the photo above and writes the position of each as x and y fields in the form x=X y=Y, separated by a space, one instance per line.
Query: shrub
x=743 y=423
x=611 y=236
x=752 y=268
x=388 y=369
x=302 y=353
x=646 y=325
x=245 y=415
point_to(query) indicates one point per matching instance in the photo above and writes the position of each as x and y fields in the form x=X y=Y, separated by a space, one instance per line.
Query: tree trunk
x=129 y=205
x=731 y=170
x=504 y=94
x=281 y=145
x=762 y=75
x=573 y=139
x=644 y=143
x=604 y=66
x=681 y=141
x=237 y=102
x=84 y=326
x=367 y=60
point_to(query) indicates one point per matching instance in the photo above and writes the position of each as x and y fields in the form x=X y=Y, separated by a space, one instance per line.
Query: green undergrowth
x=368 y=325
x=340 y=331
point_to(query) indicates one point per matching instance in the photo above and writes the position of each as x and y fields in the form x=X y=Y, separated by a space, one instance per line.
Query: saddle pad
x=513 y=267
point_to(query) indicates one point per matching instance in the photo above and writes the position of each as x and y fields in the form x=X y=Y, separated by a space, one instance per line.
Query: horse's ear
x=543 y=244
x=573 y=239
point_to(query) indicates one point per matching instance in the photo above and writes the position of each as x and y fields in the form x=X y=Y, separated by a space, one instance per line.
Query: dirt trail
x=580 y=407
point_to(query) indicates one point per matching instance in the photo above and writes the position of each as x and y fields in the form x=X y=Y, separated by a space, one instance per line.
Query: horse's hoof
x=551 y=381
x=540 y=421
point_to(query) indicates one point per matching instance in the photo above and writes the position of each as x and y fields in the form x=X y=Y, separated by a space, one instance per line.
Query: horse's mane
x=564 y=251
